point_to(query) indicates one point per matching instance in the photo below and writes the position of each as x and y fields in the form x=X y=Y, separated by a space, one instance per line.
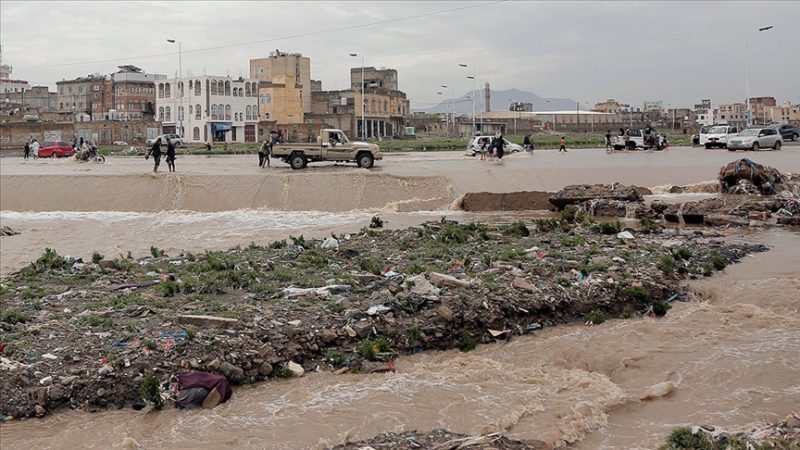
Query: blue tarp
x=217 y=126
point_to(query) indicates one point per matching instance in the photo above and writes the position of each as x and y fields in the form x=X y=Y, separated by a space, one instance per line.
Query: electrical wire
x=262 y=41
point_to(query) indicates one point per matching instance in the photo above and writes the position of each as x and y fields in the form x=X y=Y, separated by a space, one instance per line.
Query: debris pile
x=743 y=176
x=88 y=335
x=439 y=439
x=784 y=434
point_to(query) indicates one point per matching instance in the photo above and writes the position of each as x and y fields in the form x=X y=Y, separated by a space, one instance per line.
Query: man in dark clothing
x=27 y=151
x=155 y=150
x=527 y=143
x=170 y=155
x=499 y=144
x=263 y=153
x=608 y=139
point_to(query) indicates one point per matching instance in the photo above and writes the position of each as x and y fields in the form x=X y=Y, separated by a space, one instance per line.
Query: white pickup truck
x=331 y=145
x=634 y=139
x=717 y=135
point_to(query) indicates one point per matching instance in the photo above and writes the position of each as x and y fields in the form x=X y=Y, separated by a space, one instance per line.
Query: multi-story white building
x=209 y=108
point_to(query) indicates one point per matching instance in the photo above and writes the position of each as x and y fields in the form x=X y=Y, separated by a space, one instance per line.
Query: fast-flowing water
x=728 y=358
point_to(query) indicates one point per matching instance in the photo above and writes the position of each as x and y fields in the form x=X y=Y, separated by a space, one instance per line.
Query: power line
x=262 y=41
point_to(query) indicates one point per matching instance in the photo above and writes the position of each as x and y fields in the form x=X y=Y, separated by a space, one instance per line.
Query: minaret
x=487 y=97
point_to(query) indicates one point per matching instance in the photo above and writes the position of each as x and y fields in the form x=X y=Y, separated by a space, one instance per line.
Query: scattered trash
x=625 y=235
x=378 y=309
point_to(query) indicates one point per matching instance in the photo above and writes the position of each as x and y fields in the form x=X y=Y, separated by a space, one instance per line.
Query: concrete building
x=759 y=110
x=38 y=97
x=8 y=85
x=786 y=113
x=379 y=78
x=611 y=106
x=75 y=96
x=280 y=67
x=281 y=100
x=733 y=114
x=521 y=106
x=704 y=112
x=210 y=108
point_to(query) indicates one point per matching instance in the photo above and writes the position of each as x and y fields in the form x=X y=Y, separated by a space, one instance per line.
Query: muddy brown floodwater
x=729 y=358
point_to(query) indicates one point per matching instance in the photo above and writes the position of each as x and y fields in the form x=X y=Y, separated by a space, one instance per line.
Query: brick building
x=38 y=97
x=127 y=95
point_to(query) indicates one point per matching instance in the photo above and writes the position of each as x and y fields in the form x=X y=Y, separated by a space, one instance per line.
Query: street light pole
x=474 y=88
x=363 y=100
x=747 y=72
x=446 y=117
x=180 y=91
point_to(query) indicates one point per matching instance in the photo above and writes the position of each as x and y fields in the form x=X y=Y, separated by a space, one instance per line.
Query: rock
x=525 y=285
x=66 y=381
x=233 y=373
x=350 y=331
x=794 y=221
x=40 y=411
x=395 y=288
x=443 y=280
x=330 y=243
x=580 y=193
x=46 y=380
x=328 y=336
x=421 y=286
x=7 y=231
x=510 y=201
x=214 y=364
x=101 y=392
x=724 y=220
x=206 y=321
x=294 y=323
x=625 y=235
x=266 y=352
x=106 y=369
x=296 y=369
x=378 y=309
x=628 y=223
x=362 y=328
x=265 y=369
x=106 y=264
x=445 y=313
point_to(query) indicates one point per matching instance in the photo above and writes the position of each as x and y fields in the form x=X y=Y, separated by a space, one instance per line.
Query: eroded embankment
x=212 y=193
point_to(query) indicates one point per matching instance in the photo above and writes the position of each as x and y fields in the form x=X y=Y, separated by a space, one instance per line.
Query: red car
x=55 y=149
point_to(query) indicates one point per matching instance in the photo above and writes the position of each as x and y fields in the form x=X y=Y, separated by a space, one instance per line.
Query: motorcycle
x=90 y=154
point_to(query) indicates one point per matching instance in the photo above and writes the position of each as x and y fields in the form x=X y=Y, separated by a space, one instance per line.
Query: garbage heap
x=744 y=176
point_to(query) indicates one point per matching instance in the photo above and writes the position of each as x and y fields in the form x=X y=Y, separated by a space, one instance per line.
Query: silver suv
x=177 y=141
x=756 y=139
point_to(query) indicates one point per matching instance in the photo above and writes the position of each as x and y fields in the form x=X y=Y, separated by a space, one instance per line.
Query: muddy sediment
x=346 y=303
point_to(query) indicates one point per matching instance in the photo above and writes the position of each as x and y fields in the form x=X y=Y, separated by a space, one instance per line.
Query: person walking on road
x=563 y=144
x=608 y=140
x=35 y=149
x=26 y=150
x=527 y=143
x=499 y=144
x=155 y=150
x=263 y=154
x=170 y=155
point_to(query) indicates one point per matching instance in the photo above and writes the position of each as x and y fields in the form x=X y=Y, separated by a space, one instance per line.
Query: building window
x=161 y=113
x=235 y=92
x=160 y=90
x=167 y=90
x=227 y=88
x=180 y=112
x=197 y=87
x=228 y=111
x=213 y=112
x=180 y=88
x=131 y=105
x=197 y=110
x=190 y=110
x=196 y=133
x=248 y=112
x=247 y=90
x=265 y=99
x=213 y=87
x=168 y=113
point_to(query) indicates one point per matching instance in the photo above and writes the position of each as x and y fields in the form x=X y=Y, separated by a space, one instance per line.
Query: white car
x=177 y=141
x=474 y=146
x=717 y=136
x=755 y=139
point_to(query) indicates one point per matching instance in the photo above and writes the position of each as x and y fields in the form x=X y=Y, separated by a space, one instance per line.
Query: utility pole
x=180 y=92
x=747 y=73
x=474 y=88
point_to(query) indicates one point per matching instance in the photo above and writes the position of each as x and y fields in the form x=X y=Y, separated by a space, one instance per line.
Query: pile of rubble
x=784 y=434
x=86 y=334
x=749 y=195
x=439 y=439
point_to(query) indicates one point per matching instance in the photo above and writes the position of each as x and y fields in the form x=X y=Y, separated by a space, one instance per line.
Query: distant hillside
x=500 y=101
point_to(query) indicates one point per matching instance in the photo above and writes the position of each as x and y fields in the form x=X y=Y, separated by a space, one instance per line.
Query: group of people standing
x=31 y=147
x=494 y=148
x=155 y=152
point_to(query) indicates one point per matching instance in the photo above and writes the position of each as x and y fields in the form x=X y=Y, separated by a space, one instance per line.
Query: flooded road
x=728 y=358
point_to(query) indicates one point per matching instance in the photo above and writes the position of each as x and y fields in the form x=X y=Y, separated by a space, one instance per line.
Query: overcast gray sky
x=675 y=51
